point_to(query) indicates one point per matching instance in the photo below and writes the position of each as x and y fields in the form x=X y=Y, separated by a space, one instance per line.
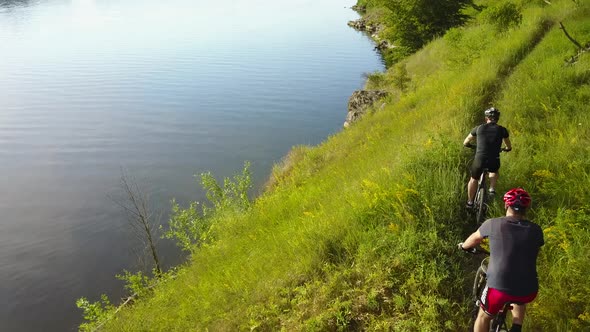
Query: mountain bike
x=498 y=323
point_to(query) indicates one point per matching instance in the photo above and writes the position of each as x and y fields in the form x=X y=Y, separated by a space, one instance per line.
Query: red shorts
x=493 y=300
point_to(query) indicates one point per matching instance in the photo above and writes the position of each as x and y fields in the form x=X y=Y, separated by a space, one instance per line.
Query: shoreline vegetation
x=360 y=232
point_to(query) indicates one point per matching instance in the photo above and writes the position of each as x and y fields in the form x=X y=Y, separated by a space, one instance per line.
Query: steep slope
x=360 y=232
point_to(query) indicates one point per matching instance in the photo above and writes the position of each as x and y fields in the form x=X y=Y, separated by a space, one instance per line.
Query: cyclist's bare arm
x=470 y=138
x=473 y=240
x=508 y=144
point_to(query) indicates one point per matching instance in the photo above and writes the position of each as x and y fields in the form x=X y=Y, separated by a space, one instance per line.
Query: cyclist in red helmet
x=512 y=271
x=490 y=136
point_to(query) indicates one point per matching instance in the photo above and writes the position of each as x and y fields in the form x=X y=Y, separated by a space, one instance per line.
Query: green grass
x=360 y=232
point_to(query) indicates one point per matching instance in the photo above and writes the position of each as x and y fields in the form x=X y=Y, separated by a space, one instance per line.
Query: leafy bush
x=503 y=16
x=415 y=22
x=135 y=283
x=94 y=313
x=376 y=80
x=233 y=194
x=187 y=226
x=190 y=226
x=400 y=77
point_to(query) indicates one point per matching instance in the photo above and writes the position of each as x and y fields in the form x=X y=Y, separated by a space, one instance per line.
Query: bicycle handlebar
x=471 y=146
x=474 y=251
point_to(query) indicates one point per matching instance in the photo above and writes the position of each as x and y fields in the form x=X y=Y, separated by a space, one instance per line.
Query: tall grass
x=547 y=102
x=360 y=232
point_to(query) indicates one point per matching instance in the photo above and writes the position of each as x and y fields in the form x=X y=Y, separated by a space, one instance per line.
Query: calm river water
x=162 y=90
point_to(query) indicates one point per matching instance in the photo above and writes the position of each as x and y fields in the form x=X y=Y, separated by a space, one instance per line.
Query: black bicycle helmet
x=492 y=113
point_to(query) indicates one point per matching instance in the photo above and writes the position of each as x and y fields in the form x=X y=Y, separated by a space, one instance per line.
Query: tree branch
x=568 y=36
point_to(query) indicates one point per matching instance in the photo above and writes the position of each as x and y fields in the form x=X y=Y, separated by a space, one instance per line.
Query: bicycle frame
x=499 y=321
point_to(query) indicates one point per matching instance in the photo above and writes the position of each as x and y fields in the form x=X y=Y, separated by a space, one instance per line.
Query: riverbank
x=360 y=233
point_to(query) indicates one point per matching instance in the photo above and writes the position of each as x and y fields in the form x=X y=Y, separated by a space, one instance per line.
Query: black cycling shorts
x=493 y=165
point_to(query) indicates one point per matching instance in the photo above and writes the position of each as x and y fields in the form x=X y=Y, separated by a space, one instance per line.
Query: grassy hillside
x=360 y=232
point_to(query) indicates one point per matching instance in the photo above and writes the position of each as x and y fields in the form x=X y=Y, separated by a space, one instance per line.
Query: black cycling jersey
x=489 y=140
x=514 y=247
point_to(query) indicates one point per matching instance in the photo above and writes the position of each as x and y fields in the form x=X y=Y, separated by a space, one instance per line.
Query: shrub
x=503 y=16
x=415 y=22
x=190 y=227
x=94 y=313
x=400 y=77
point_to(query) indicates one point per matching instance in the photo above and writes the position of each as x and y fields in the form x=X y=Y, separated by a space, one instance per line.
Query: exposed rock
x=359 y=24
x=383 y=45
x=360 y=9
x=359 y=102
x=373 y=31
x=363 y=25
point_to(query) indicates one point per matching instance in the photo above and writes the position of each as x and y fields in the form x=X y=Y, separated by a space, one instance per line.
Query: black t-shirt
x=514 y=247
x=489 y=139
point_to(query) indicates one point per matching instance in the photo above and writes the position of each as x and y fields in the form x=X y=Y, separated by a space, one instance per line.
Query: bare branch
x=140 y=218
x=568 y=36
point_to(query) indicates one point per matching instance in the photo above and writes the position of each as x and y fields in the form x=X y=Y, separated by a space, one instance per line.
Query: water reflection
x=17 y=3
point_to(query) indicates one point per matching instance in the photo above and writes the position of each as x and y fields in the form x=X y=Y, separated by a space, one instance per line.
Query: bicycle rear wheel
x=478 y=284
x=480 y=205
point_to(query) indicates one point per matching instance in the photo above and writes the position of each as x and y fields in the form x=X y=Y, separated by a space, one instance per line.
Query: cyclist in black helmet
x=490 y=136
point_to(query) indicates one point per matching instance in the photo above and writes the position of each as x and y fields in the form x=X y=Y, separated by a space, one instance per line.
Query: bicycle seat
x=508 y=305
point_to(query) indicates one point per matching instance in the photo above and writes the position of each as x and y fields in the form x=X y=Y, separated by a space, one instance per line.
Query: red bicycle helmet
x=518 y=199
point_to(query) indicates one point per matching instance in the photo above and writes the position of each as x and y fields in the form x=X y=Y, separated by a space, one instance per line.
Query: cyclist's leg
x=518 y=308
x=494 y=173
x=493 y=179
x=482 y=322
x=488 y=307
x=518 y=311
x=471 y=189
x=476 y=170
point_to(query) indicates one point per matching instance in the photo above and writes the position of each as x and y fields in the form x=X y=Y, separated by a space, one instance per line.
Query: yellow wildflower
x=543 y=173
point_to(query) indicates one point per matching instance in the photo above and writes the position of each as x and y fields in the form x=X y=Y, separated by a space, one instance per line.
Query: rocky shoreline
x=361 y=101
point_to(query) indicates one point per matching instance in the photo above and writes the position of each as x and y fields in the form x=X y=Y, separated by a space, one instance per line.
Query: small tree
x=140 y=217
x=503 y=16
x=400 y=77
x=415 y=22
